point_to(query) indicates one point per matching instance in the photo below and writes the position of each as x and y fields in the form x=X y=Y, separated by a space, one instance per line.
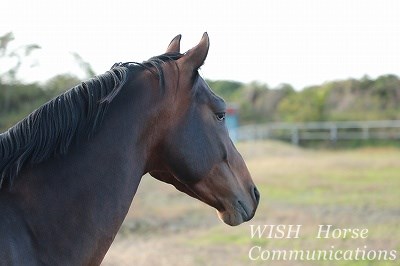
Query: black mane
x=76 y=114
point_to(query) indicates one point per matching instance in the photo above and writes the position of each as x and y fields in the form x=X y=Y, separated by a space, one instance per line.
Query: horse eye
x=220 y=116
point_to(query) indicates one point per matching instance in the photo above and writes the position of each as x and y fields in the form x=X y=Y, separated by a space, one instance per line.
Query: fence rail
x=325 y=131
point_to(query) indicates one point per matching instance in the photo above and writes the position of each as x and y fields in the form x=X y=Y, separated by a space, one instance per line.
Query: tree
x=14 y=57
x=60 y=83
x=227 y=89
x=306 y=105
x=85 y=66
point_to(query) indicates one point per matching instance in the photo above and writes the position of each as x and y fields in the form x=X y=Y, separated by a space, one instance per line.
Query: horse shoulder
x=16 y=244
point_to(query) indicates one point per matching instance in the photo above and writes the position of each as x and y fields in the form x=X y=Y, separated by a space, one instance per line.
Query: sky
x=300 y=42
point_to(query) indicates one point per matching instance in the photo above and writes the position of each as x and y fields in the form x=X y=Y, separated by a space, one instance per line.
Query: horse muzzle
x=241 y=209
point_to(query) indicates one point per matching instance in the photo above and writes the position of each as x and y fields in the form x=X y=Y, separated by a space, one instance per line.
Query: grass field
x=347 y=189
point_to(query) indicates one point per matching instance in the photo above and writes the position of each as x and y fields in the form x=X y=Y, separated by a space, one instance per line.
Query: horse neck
x=75 y=204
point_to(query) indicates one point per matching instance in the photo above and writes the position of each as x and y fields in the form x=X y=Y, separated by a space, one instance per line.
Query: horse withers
x=70 y=169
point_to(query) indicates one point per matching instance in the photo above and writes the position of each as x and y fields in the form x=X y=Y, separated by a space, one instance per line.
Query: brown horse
x=70 y=170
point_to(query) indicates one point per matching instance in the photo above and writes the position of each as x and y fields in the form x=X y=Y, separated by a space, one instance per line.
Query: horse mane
x=74 y=115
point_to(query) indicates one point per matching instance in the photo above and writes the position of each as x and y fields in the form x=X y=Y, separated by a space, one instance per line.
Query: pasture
x=347 y=189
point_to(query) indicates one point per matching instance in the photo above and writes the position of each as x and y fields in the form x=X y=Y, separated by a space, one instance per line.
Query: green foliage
x=85 y=66
x=17 y=100
x=364 y=99
x=60 y=83
x=305 y=106
x=351 y=99
x=226 y=89
x=4 y=41
x=16 y=56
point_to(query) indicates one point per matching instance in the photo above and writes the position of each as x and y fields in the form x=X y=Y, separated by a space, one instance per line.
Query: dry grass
x=357 y=188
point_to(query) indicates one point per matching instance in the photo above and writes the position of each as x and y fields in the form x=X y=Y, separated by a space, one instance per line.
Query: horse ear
x=195 y=57
x=175 y=45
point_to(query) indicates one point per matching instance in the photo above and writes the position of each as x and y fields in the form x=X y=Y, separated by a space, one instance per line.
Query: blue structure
x=232 y=121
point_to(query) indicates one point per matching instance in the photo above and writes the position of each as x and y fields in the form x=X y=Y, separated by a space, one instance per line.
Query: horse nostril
x=256 y=195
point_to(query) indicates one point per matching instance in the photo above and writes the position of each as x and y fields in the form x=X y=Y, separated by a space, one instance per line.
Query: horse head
x=193 y=151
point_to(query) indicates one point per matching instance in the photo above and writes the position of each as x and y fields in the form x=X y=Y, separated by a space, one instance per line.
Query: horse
x=70 y=169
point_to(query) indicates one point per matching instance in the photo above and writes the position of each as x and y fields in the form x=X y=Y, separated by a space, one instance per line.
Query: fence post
x=295 y=136
x=365 y=132
x=333 y=134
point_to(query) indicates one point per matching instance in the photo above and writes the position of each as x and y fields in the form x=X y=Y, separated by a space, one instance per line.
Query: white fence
x=325 y=131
